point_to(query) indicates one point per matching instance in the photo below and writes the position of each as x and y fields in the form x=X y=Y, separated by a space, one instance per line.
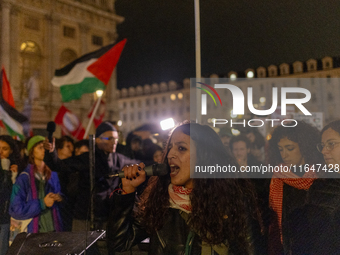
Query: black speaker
x=54 y=243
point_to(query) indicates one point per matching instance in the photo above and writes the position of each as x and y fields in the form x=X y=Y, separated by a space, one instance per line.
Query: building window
x=147 y=102
x=124 y=104
x=329 y=96
x=132 y=104
x=69 y=32
x=139 y=103
x=155 y=113
x=139 y=116
x=313 y=97
x=163 y=100
x=97 y=40
x=327 y=64
x=180 y=111
x=261 y=87
x=132 y=117
x=124 y=117
x=155 y=101
x=32 y=23
x=147 y=115
x=328 y=79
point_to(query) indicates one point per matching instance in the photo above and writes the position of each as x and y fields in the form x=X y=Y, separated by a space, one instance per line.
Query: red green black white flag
x=89 y=73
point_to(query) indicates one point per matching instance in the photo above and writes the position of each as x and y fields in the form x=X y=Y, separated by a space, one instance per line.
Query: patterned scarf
x=276 y=189
x=35 y=195
x=180 y=198
x=45 y=219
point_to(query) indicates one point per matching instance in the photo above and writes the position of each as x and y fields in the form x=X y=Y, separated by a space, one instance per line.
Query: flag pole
x=198 y=58
x=92 y=115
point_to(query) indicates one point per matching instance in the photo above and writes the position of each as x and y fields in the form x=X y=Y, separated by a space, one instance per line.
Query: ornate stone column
x=5 y=34
x=14 y=74
x=54 y=53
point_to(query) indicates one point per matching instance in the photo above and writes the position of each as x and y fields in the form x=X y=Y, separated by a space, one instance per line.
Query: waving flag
x=9 y=116
x=69 y=123
x=88 y=73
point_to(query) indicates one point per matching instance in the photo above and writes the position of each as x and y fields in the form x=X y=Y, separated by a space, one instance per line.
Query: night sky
x=235 y=35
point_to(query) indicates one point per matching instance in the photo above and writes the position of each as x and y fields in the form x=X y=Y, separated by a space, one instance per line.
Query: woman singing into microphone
x=182 y=215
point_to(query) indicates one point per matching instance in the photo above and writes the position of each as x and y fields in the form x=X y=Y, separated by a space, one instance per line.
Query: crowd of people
x=45 y=186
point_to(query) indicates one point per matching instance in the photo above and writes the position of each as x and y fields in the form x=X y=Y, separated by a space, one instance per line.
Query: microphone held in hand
x=50 y=129
x=153 y=170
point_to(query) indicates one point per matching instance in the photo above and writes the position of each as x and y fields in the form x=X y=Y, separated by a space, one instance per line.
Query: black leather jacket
x=124 y=231
x=5 y=194
x=315 y=226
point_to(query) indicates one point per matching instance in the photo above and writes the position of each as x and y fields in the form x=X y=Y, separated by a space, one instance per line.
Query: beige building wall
x=59 y=31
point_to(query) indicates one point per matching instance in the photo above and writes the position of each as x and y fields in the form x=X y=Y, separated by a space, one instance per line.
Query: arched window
x=30 y=64
x=67 y=56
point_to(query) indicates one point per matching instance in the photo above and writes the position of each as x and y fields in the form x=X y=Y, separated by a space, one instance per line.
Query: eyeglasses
x=329 y=146
x=109 y=138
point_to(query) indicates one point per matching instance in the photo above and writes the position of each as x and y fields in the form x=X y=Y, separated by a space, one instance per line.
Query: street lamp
x=167 y=123
x=99 y=93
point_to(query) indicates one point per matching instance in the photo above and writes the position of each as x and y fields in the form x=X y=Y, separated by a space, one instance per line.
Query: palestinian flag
x=88 y=73
x=6 y=92
x=69 y=123
x=9 y=116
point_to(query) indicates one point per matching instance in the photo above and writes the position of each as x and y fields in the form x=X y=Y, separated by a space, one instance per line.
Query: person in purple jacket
x=36 y=192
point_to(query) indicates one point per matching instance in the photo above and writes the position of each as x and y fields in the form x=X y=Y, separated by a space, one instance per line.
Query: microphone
x=50 y=129
x=153 y=170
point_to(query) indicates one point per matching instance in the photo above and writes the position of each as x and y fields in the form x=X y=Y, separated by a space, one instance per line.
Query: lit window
x=262 y=99
x=173 y=97
x=180 y=95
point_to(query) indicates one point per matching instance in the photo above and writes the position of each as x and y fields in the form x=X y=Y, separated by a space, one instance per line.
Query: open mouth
x=174 y=170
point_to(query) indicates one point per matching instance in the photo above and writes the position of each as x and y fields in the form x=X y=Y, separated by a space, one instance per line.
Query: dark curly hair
x=305 y=135
x=15 y=156
x=220 y=207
